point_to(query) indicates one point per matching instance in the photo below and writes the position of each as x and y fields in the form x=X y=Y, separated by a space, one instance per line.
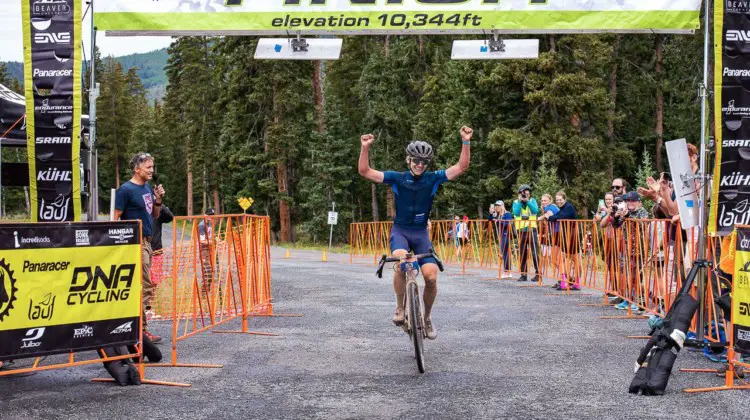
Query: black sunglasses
x=420 y=161
x=617 y=187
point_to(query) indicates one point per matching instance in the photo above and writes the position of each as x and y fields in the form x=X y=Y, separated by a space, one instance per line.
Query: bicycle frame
x=413 y=315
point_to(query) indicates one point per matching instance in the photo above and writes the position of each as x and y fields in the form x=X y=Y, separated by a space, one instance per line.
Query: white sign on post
x=684 y=186
x=333 y=218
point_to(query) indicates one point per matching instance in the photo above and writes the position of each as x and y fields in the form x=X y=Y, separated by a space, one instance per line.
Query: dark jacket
x=165 y=216
x=502 y=223
x=567 y=212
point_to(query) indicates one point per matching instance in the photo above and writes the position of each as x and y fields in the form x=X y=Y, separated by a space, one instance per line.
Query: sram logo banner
x=396 y=16
x=53 y=297
x=741 y=293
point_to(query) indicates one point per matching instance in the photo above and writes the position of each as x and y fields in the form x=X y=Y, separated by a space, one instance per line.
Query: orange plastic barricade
x=55 y=360
x=218 y=269
x=641 y=261
x=368 y=241
x=740 y=279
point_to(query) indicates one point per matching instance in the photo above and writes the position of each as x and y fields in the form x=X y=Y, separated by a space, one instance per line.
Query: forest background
x=223 y=125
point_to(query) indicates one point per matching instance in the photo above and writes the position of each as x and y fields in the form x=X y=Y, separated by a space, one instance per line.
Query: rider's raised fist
x=367 y=139
x=466 y=133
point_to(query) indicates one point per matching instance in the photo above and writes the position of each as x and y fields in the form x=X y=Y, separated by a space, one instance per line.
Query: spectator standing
x=632 y=258
x=462 y=233
x=525 y=210
x=550 y=230
x=135 y=200
x=569 y=241
x=603 y=219
x=501 y=221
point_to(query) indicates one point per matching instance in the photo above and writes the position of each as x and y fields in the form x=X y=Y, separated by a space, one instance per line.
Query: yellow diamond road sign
x=245 y=202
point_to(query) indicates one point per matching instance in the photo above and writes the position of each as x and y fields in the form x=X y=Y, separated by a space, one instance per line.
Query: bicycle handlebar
x=384 y=259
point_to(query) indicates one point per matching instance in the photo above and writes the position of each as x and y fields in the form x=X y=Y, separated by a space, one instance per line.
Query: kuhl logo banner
x=395 y=16
x=730 y=200
x=55 y=298
x=52 y=64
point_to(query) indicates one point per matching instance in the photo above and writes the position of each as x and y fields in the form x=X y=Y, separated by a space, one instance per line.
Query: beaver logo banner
x=56 y=297
x=52 y=68
x=730 y=200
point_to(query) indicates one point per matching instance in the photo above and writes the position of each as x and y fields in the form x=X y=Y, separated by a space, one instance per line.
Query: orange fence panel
x=218 y=269
x=642 y=262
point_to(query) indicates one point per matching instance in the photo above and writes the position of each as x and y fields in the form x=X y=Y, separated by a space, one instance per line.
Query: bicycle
x=413 y=316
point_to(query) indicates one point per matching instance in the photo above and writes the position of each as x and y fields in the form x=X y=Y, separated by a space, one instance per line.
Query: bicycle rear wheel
x=416 y=325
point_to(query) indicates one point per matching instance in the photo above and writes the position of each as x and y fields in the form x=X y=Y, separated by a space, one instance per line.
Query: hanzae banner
x=258 y=17
x=52 y=69
x=741 y=294
x=68 y=287
x=730 y=199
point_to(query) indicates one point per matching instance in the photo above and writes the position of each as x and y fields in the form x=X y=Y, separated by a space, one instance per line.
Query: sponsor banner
x=52 y=64
x=55 y=298
x=730 y=199
x=741 y=293
x=55 y=339
x=396 y=16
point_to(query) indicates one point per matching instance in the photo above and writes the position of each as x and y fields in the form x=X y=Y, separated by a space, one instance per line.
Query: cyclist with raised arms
x=414 y=191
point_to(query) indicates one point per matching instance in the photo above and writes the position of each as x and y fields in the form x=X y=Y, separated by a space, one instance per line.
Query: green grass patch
x=310 y=246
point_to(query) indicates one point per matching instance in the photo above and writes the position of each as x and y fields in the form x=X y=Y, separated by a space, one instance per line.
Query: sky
x=11 y=37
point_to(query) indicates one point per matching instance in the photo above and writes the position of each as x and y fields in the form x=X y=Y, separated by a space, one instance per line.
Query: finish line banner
x=741 y=294
x=68 y=287
x=52 y=70
x=730 y=198
x=258 y=17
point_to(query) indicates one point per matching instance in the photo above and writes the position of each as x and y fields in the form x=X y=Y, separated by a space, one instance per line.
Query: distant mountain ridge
x=150 y=67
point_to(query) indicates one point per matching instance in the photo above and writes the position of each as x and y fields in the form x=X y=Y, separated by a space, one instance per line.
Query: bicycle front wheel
x=416 y=324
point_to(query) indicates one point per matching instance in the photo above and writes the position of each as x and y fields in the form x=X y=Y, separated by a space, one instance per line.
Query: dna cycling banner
x=68 y=287
x=394 y=16
x=741 y=294
x=730 y=200
x=52 y=69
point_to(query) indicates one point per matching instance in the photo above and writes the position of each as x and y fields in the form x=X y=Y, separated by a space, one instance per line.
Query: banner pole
x=93 y=209
x=702 y=173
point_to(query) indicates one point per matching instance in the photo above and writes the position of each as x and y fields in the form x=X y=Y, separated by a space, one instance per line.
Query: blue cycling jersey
x=413 y=196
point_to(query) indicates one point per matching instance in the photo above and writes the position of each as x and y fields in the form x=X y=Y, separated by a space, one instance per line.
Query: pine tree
x=645 y=170
x=545 y=178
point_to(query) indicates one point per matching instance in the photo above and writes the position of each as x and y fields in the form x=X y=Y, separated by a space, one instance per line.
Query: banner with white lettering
x=52 y=69
x=730 y=198
x=741 y=293
x=68 y=287
x=394 y=16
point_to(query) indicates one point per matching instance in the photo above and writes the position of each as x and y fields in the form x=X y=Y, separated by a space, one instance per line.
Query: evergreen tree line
x=286 y=133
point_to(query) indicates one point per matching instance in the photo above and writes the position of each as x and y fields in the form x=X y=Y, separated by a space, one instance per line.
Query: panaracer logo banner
x=730 y=195
x=52 y=70
x=395 y=16
x=741 y=292
x=54 y=298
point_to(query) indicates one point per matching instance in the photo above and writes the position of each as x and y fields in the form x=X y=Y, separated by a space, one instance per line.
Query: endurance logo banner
x=68 y=287
x=52 y=69
x=730 y=200
x=741 y=294
x=394 y=16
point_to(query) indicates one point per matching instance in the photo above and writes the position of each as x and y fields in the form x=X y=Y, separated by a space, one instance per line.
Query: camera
x=619 y=204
